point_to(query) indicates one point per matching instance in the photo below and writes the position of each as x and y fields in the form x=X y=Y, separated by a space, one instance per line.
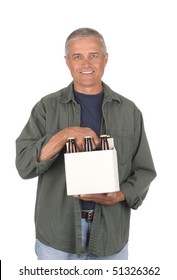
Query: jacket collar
x=110 y=94
x=68 y=93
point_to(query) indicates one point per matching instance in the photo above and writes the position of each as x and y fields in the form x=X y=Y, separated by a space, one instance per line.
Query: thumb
x=110 y=195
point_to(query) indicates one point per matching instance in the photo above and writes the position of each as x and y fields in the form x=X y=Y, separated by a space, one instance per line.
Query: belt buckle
x=90 y=216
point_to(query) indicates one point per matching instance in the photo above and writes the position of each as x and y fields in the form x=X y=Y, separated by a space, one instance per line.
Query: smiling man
x=86 y=60
x=84 y=226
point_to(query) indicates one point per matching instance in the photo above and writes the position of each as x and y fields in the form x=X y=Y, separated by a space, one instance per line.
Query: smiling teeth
x=86 y=72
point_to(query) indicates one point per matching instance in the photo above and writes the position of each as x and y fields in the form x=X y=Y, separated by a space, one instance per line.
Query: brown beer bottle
x=71 y=145
x=88 y=144
x=104 y=142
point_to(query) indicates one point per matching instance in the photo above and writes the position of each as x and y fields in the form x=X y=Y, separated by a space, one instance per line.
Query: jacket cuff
x=43 y=166
x=132 y=198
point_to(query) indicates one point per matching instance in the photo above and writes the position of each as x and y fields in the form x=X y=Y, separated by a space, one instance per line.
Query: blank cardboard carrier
x=91 y=172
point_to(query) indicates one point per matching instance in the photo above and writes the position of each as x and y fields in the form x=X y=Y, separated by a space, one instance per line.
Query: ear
x=67 y=61
x=105 y=59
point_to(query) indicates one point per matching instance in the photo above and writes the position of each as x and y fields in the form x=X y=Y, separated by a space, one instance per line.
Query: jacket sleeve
x=29 y=144
x=136 y=186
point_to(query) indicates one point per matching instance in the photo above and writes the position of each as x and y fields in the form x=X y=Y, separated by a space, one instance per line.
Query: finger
x=94 y=197
x=95 y=142
x=76 y=196
x=110 y=195
x=80 y=144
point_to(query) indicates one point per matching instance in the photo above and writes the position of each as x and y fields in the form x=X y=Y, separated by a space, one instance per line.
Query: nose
x=85 y=61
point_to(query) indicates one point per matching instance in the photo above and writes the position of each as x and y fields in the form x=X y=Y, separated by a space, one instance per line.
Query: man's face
x=86 y=62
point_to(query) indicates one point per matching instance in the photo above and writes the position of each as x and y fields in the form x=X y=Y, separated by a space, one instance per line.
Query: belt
x=87 y=215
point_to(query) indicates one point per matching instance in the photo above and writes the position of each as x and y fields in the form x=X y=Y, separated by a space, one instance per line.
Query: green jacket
x=57 y=216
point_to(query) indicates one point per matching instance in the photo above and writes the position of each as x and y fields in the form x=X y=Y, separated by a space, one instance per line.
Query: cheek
x=101 y=68
x=71 y=67
x=74 y=71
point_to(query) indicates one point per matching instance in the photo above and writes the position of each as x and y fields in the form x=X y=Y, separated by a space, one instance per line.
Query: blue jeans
x=45 y=252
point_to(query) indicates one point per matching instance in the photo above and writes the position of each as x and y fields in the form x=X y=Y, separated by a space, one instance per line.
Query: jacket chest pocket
x=123 y=142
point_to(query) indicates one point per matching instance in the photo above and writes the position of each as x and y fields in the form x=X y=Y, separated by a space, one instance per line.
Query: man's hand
x=57 y=141
x=79 y=133
x=106 y=199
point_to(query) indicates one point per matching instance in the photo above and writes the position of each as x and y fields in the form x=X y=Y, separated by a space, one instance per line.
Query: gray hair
x=84 y=32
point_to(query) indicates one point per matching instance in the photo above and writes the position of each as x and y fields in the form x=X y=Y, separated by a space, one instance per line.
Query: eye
x=94 y=55
x=76 y=57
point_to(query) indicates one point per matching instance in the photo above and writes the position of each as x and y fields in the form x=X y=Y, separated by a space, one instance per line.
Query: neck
x=88 y=90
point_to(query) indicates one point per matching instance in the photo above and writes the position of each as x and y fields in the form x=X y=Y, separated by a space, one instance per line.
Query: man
x=84 y=226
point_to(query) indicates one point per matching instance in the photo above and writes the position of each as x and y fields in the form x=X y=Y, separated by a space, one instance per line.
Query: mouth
x=88 y=72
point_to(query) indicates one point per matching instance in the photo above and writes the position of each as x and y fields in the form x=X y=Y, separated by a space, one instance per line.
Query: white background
x=141 y=38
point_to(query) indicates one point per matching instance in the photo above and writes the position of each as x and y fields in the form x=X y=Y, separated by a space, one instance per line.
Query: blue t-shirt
x=91 y=116
x=91 y=110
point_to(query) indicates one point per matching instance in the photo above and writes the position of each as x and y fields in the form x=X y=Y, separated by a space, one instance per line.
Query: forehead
x=85 y=44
